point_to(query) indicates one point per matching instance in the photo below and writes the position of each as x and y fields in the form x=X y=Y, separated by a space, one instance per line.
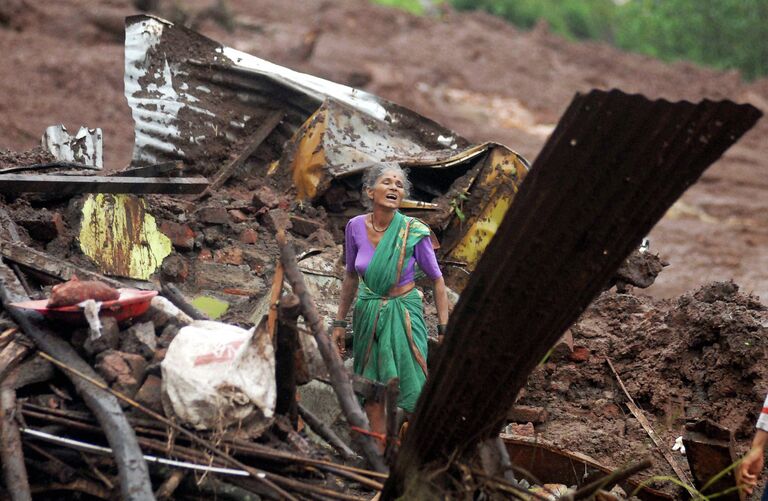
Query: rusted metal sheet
x=709 y=450
x=608 y=173
x=192 y=98
x=553 y=465
x=119 y=234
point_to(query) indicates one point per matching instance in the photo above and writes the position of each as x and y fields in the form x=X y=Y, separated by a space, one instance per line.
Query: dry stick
x=14 y=471
x=69 y=418
x=326 y=433
x=96 y=472
x=80 y=485
x=132 y=469
x=339 y=378
x=174 y=295
x=251 y=144
x=262 y=476
x=612 y=478
x=638 y=413
x=169 y=486
x=48 y=165
x=274 y=297
x=393 y=391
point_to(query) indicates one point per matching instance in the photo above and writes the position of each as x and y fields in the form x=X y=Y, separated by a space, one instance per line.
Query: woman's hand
x=339 y=340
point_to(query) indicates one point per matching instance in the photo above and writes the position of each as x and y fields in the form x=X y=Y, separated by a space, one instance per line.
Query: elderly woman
x=383 y=249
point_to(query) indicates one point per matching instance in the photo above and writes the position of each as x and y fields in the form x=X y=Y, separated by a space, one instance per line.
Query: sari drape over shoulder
x=390 y=333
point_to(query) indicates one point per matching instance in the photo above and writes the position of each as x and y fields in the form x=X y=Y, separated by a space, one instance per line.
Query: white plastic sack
x=216 y=375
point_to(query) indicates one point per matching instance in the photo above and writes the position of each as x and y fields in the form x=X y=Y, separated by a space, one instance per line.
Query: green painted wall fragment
x=211 y=306
x=122 y=238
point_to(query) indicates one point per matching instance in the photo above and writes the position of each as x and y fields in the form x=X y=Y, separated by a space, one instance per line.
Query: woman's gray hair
x=374 y=172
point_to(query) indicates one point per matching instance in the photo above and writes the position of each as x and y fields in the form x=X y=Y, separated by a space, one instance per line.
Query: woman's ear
x=369 y=192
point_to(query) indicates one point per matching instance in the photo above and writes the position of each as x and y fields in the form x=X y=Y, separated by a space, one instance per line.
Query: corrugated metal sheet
x=192 y=98
x=613 y=166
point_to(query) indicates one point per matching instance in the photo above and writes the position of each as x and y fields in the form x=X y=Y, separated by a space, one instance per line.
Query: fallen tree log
x=611 y=169
x=133 y=472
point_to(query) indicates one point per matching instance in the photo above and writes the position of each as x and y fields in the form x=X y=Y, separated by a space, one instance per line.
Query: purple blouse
x=359 y=251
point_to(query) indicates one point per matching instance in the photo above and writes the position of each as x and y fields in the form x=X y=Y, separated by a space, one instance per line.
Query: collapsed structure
x=205 y=105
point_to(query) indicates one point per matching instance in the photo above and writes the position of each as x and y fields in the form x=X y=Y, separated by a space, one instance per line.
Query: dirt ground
x=680 y=353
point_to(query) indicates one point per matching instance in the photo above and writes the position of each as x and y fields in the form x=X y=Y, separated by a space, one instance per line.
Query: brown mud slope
x=701 y=355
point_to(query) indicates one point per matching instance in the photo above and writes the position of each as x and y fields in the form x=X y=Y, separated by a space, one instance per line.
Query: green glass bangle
x=339 y=323
x=441 y=329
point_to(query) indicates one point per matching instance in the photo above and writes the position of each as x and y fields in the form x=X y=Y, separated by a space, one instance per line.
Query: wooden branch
x=156 y=170
x=41 y=261
x=340 y=379
x=73 y=185
x=326 y=433
x=14 y=471
x=133 y=472
x=251 y=144
x=393 y=392
x=287 y=344
x=48 y=165
x=174 y=295
x=640 y=416
x=170 y=484
x=612 y=478
x=11 y=357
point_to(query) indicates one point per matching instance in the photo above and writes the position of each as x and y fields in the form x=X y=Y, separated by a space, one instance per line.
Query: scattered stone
x=216 y=276
x=249 y=236
x=321 y=238
x=304 y=227
x=181 y=235
x=205 y=255
x=264 y=197
x=527 y=414
x=140 y=339
x=109 y=339
x=112 y=364
x=175 y=269
x=162 y=312
x=238 y=216
x=214 y=237
x=520 y=430
x=150 y=394
x=579 y=354
x=229 y=255
x=169 y=332
x=212 y=215
x=127 y=385
x=41 y=224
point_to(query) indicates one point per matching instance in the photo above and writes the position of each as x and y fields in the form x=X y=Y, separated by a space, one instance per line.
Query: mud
x=682 y=355
x=698 y=356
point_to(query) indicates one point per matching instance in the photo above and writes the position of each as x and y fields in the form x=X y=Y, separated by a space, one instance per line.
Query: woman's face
x=388 y=191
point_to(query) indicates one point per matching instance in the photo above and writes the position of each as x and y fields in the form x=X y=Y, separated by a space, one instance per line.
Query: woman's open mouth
x=392 y=196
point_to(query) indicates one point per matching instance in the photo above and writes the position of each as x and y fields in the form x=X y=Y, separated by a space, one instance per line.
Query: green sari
x=390 y=336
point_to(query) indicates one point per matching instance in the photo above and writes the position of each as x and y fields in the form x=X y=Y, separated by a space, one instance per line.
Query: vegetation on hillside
x=724 y=34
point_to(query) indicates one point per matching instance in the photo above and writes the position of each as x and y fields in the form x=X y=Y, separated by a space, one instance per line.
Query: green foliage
x=720 y=33
x=413 y=6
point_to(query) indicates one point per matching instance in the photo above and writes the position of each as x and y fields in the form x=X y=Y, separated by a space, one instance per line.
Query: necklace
x=376 y=229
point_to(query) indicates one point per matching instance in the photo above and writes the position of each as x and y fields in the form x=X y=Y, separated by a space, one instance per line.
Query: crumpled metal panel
x=339 y=141
x=84 y=147
x=122 y=238
x=192 y=98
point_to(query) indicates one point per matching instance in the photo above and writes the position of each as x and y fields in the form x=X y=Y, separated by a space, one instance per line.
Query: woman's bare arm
x=441 y=301
x=348 y=288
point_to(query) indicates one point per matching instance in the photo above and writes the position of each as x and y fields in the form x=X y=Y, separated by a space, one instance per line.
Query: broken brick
x=205 y=255
x=109 y=339
x=264 y=197
x=212 y=215
x=126 y=384
x=110 y=365
x=521 y=430
x=42 y=225
x=238 y=216
x=182 y=237
x=228 y=255
x=249 y=236
x=304 y=227
x=527 y=414
x=150 y=394
x=579 y=354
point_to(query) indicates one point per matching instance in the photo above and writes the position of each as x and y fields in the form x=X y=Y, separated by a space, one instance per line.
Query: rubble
x=223 y=248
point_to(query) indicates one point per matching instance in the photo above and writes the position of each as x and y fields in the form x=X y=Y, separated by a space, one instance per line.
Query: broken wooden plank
x=48 y=165
x=611 y=169
x=14 y=471
x=58 y=268
x=709 y=450
x=73 y=185
x=640 y=416
x=132 y=469
x=251 y=144
x=162 y=169
x=340 y=379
